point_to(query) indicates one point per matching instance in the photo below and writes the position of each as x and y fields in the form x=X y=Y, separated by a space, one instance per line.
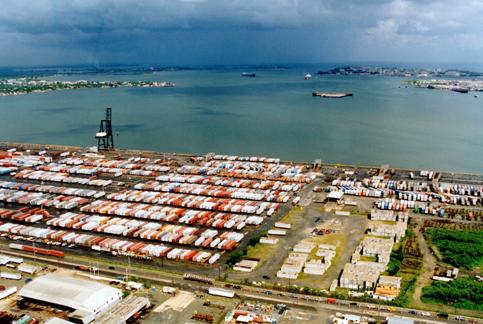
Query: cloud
x=236 y=31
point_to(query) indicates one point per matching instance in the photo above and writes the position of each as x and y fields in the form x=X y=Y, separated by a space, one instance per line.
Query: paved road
x=249 y=292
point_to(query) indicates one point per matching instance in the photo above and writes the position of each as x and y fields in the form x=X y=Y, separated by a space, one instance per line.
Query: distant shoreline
x=24 y=86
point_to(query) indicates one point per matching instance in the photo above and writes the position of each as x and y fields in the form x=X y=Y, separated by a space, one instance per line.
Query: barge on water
x=331 y=94
x=248 y=74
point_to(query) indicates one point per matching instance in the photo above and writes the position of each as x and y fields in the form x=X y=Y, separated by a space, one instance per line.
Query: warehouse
x=87 y=299
x=335 y=196
x=393 y=230
x=387 y=288
x=358 y=276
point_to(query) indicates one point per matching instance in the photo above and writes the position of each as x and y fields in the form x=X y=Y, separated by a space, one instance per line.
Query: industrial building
x=389 y=215
x=387 y=288
x=394 y=230
x=88 y=300
x=358 y=276
x=379 y=248
x=128 y=308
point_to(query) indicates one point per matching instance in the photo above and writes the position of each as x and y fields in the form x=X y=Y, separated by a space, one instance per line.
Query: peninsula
x=22 y=86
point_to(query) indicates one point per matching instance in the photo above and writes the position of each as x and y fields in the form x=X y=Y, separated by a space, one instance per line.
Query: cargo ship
x=331 y=94
x=248 y=74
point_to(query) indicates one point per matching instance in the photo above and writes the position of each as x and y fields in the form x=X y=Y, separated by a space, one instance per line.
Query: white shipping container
x=8 y=292
x=10 y=275
x=221 y=292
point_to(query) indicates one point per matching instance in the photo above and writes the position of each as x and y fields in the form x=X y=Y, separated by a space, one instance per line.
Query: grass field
x=290 y=217
x=263 y=252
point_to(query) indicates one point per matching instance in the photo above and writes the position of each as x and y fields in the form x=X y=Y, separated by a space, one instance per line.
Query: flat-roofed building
x=87 y=299
x=387 y=288
x=359 y=276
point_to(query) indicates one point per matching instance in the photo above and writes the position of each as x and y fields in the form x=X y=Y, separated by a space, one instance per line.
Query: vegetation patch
x=262 y=252
x=463 y=292
x=394 y=264
x=405 y=262
x=405 y=293
x=459 y=248
x=368 y=258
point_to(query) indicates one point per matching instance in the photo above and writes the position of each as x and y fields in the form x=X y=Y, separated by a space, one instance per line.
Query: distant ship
x=460 y=89
x=248 y=74
x=308 y=76
x=331 y=94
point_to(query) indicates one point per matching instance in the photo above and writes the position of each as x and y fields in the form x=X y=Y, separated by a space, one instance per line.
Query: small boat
x=248 y=74
x=476 y=96
x=308 y=76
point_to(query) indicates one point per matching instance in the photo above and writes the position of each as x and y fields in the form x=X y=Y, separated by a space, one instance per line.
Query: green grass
x=263 y=252
x=239 y=255
x=368 y=258
x=289 y=218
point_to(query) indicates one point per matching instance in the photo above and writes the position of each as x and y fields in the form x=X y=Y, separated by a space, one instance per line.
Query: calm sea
x=273 y=114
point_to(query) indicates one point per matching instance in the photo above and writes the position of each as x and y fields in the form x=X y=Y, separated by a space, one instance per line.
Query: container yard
x=244 y=220
x=182 y=209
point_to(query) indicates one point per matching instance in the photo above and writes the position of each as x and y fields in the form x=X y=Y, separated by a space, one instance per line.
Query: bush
x=458 y=248
x=256 y=239
x=395 y=261
x=407 y=288
x=236 y=257
x=461 y=293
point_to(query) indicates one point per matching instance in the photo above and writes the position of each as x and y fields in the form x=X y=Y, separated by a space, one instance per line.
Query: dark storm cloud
x=238 y=31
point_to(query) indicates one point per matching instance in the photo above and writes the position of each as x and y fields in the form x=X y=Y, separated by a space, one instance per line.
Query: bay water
x=273 y=114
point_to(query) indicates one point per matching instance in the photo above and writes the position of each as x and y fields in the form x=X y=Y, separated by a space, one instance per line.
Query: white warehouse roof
x=335 y=195
x=78 y=294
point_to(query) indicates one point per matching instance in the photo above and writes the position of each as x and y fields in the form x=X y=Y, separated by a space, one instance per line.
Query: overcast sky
x=199 y=32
